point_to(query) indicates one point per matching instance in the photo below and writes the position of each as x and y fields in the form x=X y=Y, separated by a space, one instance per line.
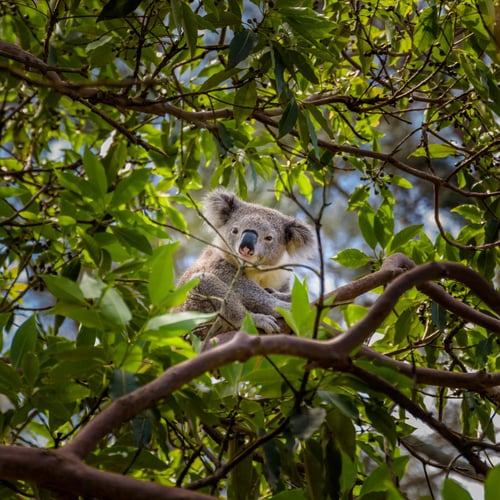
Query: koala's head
x=258 y=234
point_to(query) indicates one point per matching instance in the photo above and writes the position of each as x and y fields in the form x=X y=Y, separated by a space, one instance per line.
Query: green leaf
x=290 y=495
x=307 y=23
x=118 y=8
x=244 y=101
x=131 y=238
x=103 y=40
x=379 y=480
x=439 y=315
x=342 y=402
x=358 y=198
x=64 y=289
x=175 y=323
x=95 y=173
x=471 y=212
x=122 y=383
x=248 y=325
x=347 y=474
x=301 y=316
x=352 y=257
x=288 y=119
x=306 y=421
x=435 y=151
x=161 y=278
x=92 y=247
x=404 y=236
x=24 y=341
x=407 y=327
x=383 y=224
x=453 y=491
x=401 y=182
x=114 y=308
x=243 y=477
x=279 y=69
x=128 y=357
x=241 y=47
x=142 y=430
x=353 y=313
x=426 y=30
x=366 y=218
x=130 y=186
x=314 y=469
x=381 y=420
x=217 y=78
x=272 y=462
x=81 y=354
x=31 y=368
x=81 y=314
x=305 y=66
x=92 y=288
x=9 y=377
x=72 y=369
x=483 y=349
x=190 y=25
x=492 y=484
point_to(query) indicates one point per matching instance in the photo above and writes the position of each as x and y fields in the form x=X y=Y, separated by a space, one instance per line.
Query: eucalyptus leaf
x=306 y=421
x=241 y=47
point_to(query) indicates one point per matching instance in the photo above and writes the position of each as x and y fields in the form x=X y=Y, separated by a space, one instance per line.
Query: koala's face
x=258 y=234
x=255 y=240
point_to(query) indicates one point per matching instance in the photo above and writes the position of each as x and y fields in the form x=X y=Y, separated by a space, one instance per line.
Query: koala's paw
x=266 y=323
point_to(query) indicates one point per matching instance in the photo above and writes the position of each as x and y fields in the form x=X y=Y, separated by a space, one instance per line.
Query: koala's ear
x=220 y=205
x=299 y=238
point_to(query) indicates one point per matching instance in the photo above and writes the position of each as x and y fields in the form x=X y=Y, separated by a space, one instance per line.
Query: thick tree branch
x=345 y=343
x=475 y=381
x=242 y=347
x=63 y=473
x=393 y=266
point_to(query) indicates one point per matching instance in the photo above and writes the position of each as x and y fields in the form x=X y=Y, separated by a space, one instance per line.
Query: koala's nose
x=247 y=243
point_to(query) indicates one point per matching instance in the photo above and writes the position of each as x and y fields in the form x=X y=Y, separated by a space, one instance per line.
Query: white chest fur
x=268 y=278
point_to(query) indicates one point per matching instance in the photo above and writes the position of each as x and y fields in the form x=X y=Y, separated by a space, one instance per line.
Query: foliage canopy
x=114 y=113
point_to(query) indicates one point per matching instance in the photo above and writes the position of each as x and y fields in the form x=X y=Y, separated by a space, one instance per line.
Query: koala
x=242 y=271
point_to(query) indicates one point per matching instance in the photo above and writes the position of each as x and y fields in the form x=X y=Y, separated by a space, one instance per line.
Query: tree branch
x=345 y=343
x=62 y=472
x=460 y=443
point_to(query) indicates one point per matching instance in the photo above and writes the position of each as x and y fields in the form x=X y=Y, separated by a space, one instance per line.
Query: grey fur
x=249 y=235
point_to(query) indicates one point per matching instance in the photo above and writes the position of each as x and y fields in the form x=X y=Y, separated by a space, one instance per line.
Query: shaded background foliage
x=115 y=117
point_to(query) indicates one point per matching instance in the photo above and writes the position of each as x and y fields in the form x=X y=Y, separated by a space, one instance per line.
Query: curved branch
x=452 y=241
x=241 y=348
x=333 y=353
x=392 y=267
x=64 y=473
x=476 y=381
x=345 y=343
x=439 y=295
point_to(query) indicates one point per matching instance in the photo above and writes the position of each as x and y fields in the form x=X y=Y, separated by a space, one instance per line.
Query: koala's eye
x=269 y=238
x=235 y=230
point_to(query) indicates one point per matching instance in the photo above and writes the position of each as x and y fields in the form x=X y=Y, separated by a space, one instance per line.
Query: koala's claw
x=266 y=323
